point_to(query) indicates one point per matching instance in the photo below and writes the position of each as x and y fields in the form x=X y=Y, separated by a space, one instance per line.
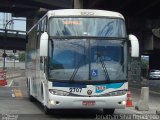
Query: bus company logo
x=89 y=92
x=87 y=13
x=100 y=88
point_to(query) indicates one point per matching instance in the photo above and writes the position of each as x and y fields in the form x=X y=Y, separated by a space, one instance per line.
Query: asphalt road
x=15 y=105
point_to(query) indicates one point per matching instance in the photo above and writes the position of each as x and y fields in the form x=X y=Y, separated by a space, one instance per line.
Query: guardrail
x=16 y=32
x=12 y=73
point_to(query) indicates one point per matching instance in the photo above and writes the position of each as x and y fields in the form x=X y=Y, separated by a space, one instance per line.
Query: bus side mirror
x=44 y=45
x=134 y=46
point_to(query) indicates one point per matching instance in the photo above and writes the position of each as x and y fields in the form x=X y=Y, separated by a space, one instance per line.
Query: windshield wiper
x=75 y=71
x=103 y=66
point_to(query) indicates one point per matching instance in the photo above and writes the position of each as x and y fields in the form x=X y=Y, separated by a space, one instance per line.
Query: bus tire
x=31 y=98
x=47 y=110
x=108 y=111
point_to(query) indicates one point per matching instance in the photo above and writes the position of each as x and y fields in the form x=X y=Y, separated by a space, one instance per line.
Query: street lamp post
x=4 y=52
x=5 y=38
x=14 y=51
x=4 y=56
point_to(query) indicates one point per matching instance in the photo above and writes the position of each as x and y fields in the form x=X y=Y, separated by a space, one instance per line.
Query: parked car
x=154 y=74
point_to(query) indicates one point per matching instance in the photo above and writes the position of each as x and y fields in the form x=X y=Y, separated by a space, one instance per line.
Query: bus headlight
x=58 y=92
x=117 y=93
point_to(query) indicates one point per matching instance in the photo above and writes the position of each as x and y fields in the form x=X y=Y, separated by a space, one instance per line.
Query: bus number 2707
x=72 y=90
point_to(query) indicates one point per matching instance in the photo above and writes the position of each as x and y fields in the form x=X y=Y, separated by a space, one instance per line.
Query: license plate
x=88 y=103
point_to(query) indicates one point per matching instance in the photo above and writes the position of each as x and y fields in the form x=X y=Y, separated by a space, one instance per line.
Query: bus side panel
x=31 y=72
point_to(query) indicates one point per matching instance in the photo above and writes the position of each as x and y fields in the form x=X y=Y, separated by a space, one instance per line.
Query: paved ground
x=14 y=103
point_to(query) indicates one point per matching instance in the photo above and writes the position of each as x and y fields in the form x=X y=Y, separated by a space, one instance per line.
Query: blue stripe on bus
x=60 y=84
x=114 y=85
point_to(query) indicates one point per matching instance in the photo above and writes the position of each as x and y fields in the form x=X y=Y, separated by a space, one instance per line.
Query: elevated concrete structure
x=12 y=39
x=132 y=8
x=25 y=7
x=31 y=9
x=78 y=4
x=141 y=16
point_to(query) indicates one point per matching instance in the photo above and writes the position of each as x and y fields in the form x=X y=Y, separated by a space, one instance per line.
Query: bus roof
x=84 y=12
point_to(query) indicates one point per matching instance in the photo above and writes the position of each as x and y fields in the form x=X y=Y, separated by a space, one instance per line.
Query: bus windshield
x=101 y=27
x=97 y=53
x=84 y=60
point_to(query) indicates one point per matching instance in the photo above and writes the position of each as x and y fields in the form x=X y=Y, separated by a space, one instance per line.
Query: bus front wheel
x=108 y=111
x=47 y=110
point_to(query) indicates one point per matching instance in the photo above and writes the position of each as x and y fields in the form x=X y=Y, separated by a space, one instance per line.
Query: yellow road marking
x=17 y=93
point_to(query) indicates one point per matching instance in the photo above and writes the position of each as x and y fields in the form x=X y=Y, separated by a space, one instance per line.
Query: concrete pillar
x=78 y=4
x=158 y=111
x=134 y=70
x=142 y=104
x=156 y=32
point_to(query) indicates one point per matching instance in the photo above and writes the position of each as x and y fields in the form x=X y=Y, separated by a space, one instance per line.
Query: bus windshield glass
x=101 y=27
x=85 y=60
x=97 y=53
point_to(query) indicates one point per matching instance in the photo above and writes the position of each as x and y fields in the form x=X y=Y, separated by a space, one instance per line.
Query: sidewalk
x=12 y=74
x=154 y=100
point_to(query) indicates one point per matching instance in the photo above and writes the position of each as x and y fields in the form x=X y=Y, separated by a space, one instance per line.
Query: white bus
x=77 y=59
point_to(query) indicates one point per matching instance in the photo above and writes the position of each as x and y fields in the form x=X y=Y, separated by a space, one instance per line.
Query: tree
x=22 y=57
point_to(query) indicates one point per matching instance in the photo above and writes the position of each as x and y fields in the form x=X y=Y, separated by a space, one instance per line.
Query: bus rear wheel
x=31 y=98
x=108 y=111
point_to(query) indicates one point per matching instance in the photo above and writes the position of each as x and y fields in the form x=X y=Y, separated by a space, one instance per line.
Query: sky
x=17 y=25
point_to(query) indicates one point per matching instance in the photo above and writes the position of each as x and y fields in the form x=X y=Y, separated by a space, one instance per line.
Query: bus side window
x=45 y=60
x=38 y=36
x=43 y=25
x=41 y=63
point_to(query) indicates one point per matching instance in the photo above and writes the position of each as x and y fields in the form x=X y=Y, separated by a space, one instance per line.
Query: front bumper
x=68 y=102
